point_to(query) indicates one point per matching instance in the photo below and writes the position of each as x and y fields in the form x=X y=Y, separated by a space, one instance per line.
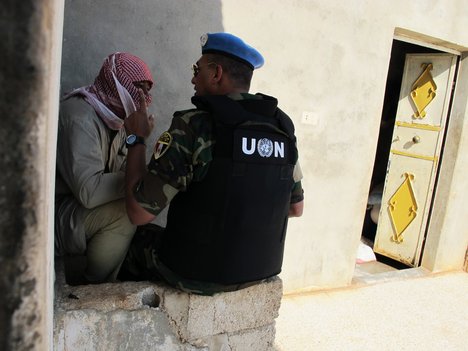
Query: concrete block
x=143 y=329
x=78 y=330
x=109 y=297
x=148 y=316
x=259 y=339
x=196 y=317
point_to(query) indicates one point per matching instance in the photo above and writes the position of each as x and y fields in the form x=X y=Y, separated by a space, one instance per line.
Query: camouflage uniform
x=183 y=156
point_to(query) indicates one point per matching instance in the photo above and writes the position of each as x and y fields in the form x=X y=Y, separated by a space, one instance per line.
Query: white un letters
x=265 y=147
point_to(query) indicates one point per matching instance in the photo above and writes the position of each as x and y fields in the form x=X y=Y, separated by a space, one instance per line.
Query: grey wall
x=165 y=34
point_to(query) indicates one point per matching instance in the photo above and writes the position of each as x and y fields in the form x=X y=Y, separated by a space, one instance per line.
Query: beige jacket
x=89 y=174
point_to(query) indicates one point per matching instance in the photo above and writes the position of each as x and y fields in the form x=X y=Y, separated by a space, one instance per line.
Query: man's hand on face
x=139 y=123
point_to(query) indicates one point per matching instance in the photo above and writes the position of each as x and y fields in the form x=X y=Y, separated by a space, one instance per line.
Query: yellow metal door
x=414 y=156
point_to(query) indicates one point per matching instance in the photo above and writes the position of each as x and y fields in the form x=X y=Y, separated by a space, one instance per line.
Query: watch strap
x=138 y=140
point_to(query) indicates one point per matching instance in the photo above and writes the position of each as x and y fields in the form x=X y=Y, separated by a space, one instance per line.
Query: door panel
x=414 y=156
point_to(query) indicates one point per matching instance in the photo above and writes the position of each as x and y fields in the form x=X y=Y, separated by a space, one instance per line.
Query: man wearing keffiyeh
x=90 y=213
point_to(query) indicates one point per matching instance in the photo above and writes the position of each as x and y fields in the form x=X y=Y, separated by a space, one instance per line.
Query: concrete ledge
x=148 y=316
x=361 y=277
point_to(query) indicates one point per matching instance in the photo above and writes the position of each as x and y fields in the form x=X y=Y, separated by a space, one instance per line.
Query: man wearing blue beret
x=227 y=169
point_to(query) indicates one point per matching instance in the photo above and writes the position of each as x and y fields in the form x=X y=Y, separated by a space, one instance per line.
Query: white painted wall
x=328 y=58
x=331 y=58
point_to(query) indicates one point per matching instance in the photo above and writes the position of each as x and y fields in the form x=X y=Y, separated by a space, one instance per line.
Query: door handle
x=416 y=139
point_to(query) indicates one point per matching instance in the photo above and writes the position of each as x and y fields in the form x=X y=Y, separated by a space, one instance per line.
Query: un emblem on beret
x=265 y=147
x=203 y=39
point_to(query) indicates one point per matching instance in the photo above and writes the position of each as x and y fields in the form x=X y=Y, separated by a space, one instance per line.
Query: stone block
x=148 y=316
x=109 y=297
x=196 y=317
x=258 y=339
x=144 y=329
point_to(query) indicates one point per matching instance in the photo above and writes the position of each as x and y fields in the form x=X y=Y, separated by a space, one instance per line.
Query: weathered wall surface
x=29 y=75
x=326 y=58
x=330 y=59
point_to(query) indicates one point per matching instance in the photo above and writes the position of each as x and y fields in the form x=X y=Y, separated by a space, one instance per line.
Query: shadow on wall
x=164 y=33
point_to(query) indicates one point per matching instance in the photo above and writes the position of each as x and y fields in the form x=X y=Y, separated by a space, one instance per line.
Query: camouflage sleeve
x=297 y=193
x=179 y=156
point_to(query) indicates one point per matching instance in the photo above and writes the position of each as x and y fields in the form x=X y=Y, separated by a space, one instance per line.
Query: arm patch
x=162 y=145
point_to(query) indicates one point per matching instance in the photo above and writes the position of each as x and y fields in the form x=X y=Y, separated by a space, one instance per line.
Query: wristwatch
x=133 y=139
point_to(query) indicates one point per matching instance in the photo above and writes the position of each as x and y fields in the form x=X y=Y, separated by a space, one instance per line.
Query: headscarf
x=113 y=93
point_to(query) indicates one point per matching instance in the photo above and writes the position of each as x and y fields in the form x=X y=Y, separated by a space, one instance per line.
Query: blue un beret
x=229 y=45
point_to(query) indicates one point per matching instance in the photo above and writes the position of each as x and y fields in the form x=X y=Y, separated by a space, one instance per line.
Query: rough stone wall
x=27 y=83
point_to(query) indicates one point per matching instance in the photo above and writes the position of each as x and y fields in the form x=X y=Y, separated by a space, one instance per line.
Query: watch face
x=131 y=139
